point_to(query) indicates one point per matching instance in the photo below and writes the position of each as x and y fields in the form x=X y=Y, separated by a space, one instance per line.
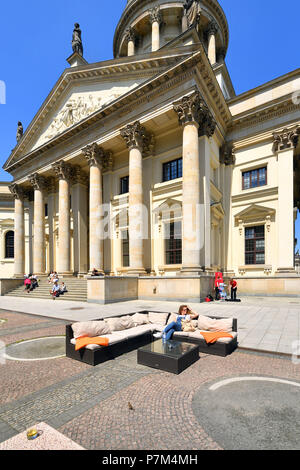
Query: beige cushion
x=140 y=319
x=90 y=328
x=158 y=317
x=120 y=323
x=172 y=317
x=211 y=324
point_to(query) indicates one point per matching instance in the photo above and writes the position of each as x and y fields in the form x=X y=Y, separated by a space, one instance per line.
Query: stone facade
x=162 y=118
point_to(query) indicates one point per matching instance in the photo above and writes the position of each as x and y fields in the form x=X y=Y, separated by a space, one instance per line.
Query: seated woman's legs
x=170 y=328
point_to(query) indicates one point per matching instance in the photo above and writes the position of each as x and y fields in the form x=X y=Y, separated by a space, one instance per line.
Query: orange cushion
x=213 y=336
x=85 y=340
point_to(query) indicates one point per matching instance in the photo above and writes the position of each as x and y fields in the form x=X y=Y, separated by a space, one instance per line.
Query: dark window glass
x=124 y=185
x=125 y=249
x=255 y=245
x=173 y=244
x=9 y=244
x=172 y=170
x=255 y=178
x=46 y=210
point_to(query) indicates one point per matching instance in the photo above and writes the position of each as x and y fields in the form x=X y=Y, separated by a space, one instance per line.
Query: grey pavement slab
x=264 y=323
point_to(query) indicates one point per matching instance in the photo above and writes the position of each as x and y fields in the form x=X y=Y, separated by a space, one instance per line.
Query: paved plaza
x=248 y=400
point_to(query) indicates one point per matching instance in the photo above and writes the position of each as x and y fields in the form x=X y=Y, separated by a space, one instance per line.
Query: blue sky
x=35 y=38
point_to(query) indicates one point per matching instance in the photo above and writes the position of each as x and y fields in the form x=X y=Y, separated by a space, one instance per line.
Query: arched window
x=9 y=244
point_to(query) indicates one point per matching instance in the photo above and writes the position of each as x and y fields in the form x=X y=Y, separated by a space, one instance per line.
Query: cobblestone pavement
x=90 y=404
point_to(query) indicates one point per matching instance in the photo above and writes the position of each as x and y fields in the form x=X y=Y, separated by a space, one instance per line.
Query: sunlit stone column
x=155 y=18
x=95 y=156
x=130 y=38
x=211 y=32
x=196 y=121
x=39 y=186
x=19 y=235
x=285 y=143
x=138 y=142
x=64 y=173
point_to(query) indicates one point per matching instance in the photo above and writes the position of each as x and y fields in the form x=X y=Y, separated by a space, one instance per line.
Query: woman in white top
x=184 y=313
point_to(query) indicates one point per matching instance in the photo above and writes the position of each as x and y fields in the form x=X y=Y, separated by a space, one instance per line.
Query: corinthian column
x=138 y=141
x=19 y=240
x=64 y=173
x=285 y=143
x=212 y=31
x=196 y=120
x=39 y=185
x=95 y=156
x=155 y=18
x=130 y=38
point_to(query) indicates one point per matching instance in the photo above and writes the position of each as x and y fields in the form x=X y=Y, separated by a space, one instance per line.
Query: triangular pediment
x=254 y=211
x=83 y=91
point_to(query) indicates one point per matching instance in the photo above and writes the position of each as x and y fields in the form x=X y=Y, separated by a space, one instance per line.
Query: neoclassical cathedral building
x=149 y=168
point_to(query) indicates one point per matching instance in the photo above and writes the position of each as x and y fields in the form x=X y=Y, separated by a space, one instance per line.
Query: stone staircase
x=77 y=290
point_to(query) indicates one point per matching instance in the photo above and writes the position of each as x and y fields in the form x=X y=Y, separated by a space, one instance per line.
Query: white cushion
x=140 y=319
x=119 y=323
x=90 y=328
x=172 y=317
x=139 y=330
x=211 y=324
x=158 y=317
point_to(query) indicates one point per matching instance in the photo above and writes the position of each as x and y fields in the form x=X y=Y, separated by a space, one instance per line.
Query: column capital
x=130 y=34
x=17 y=191
x=97 y=156
x=193 y=109
x=212 y=28
x=286 y=139
x=62 y=170
x=155 y=15
x=136 y=136
x=37 y=181
x=227 y=156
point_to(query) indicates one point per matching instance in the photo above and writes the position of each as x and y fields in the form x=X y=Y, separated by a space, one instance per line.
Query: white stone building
x=156 y=142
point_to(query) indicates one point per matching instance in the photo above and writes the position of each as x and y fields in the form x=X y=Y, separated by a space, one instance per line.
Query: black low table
x=171 y=356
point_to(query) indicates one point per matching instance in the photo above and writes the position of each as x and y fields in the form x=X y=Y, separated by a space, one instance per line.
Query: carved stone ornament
x=130 y=35
x=78 y=176
x=212 y=28
x=19 y=132
x=136 y=136
x=37 y=181
x=97 y=156
x=17 y=191
x=193 y=108
x=192 y=10
x=155 y=15
x=62 y=170
x=227 y=156
x=287 y=139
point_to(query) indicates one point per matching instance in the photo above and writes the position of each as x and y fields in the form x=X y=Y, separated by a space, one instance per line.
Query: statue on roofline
x=19 y=131
x=192 y=11
x=76 y=40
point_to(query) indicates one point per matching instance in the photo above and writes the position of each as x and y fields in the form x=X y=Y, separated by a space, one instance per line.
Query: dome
x=137 y=18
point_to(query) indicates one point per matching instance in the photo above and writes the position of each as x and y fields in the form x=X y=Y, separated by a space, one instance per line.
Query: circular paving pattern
x=250 y=413
x=37 y=349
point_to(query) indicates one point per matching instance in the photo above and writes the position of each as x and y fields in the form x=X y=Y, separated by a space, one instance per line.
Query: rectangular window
x=125 y=248
x=173 y=244
x=46 y=210
x=172 y=170
x=124 y=185
x=254 y=178
x=255 y=245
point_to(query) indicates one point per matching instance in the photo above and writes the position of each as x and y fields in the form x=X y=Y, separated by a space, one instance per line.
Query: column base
x=191 y=271
x=65 y=273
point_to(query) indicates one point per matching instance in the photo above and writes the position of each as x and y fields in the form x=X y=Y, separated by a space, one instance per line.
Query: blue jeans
x=171 y=327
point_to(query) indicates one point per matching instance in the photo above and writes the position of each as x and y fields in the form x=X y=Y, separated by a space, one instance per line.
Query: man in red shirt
x=233 y=285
